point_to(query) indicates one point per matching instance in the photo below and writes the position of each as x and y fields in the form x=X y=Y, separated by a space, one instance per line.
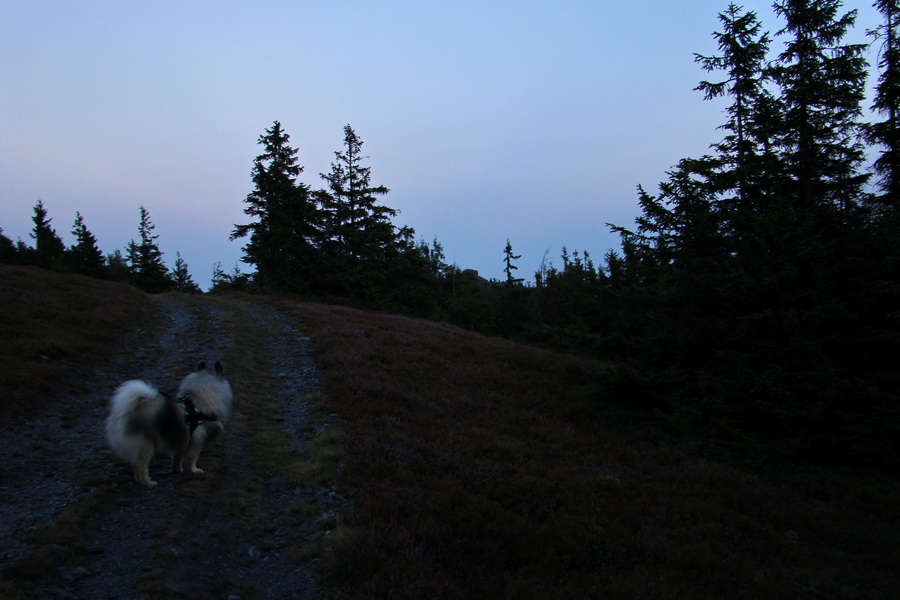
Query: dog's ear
x=201 y=366
x=219 y=368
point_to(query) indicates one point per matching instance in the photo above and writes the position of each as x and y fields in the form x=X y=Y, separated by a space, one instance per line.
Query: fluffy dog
x=210 y=393
x=142 y=420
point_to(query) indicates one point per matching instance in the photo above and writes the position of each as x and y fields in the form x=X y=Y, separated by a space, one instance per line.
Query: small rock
x=79 y=573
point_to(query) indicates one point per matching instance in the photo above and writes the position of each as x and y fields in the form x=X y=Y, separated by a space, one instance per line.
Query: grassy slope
x=492 y=470
x=485 y=469
x=47 y=319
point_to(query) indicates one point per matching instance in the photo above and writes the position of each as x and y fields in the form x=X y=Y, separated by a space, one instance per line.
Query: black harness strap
x=193 y=418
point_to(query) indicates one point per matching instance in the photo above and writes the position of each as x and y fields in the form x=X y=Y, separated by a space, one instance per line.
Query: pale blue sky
x=532 y=121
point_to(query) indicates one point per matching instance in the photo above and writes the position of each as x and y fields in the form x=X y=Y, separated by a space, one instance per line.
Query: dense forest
x=754 y=303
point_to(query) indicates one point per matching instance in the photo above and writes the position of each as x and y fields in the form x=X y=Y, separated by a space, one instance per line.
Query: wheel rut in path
x=74 y=524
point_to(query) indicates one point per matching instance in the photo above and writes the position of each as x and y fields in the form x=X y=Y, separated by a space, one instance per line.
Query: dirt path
x=74 y=525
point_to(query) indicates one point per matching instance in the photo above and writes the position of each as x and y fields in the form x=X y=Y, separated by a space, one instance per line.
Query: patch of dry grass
x=57 y=540
x=48 y=319
x=487 y=469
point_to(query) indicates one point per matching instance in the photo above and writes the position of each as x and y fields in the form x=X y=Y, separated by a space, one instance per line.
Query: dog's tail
x=131 y=396
x=130 y=412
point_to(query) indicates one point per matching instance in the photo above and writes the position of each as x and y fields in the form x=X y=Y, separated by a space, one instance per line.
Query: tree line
x=141 y=265
x=753 y=303
x=339 y=243
x=336 y=242
x=757 y=296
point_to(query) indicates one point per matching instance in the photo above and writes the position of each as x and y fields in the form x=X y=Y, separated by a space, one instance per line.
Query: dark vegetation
x=489 y=469
x=47 y=320
x=484 y=468
x=142 y=264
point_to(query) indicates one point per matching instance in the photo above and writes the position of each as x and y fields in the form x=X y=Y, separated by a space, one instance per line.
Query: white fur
x=142 y=421
x=210 y=393
x=133 y=398
x=129 y=398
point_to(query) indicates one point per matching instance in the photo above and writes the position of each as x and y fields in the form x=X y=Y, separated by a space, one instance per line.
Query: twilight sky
x=488 y=120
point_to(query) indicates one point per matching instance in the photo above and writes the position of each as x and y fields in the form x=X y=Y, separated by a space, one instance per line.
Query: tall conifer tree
x=181 y=277
x=7 y=249
x=359 y=233
x=822 y=83
x=509 y=267
x=887 y=103
x=285 y=234
x=747 y=161
x=85 y=256
x=48 y=247
x=148 y=271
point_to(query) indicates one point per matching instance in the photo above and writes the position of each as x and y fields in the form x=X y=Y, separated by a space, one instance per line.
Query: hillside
x=377 y=456
x=74 y=524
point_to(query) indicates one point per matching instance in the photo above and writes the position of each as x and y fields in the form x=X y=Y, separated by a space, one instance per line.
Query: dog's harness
x=193 y=418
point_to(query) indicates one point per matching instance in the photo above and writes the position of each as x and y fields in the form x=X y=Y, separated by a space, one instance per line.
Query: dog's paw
x=196 y=470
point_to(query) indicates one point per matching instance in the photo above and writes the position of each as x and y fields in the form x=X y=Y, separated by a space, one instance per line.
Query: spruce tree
x=84 y=255
x=181 y=278
x=887 y=104
x=359 y=234
x=219 y=277
x=116 y=266
x=7 y=249
x=49 y=248
x=285 y=234
x=822 y=83
x=746 y=176
x=509 y=267
x=747 y=162
x=356 y=222
x=148 y=271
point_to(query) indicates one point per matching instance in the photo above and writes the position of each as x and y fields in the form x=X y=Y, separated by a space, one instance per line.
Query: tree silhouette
x=822 y=83
x=887 y=103
x=746 y=163
x=285 y=235
x=84 y=256
x=117 y=267
x=48 y=249
x=359 y=235
x=509 y=267
x=7 y=249
x=181 y=278
x=147 y=269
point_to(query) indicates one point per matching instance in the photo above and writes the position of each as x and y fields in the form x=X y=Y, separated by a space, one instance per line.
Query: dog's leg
x=203 y=436
x=193 y=450
x=192 y=454
x=142 y=467
x=176 y=463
